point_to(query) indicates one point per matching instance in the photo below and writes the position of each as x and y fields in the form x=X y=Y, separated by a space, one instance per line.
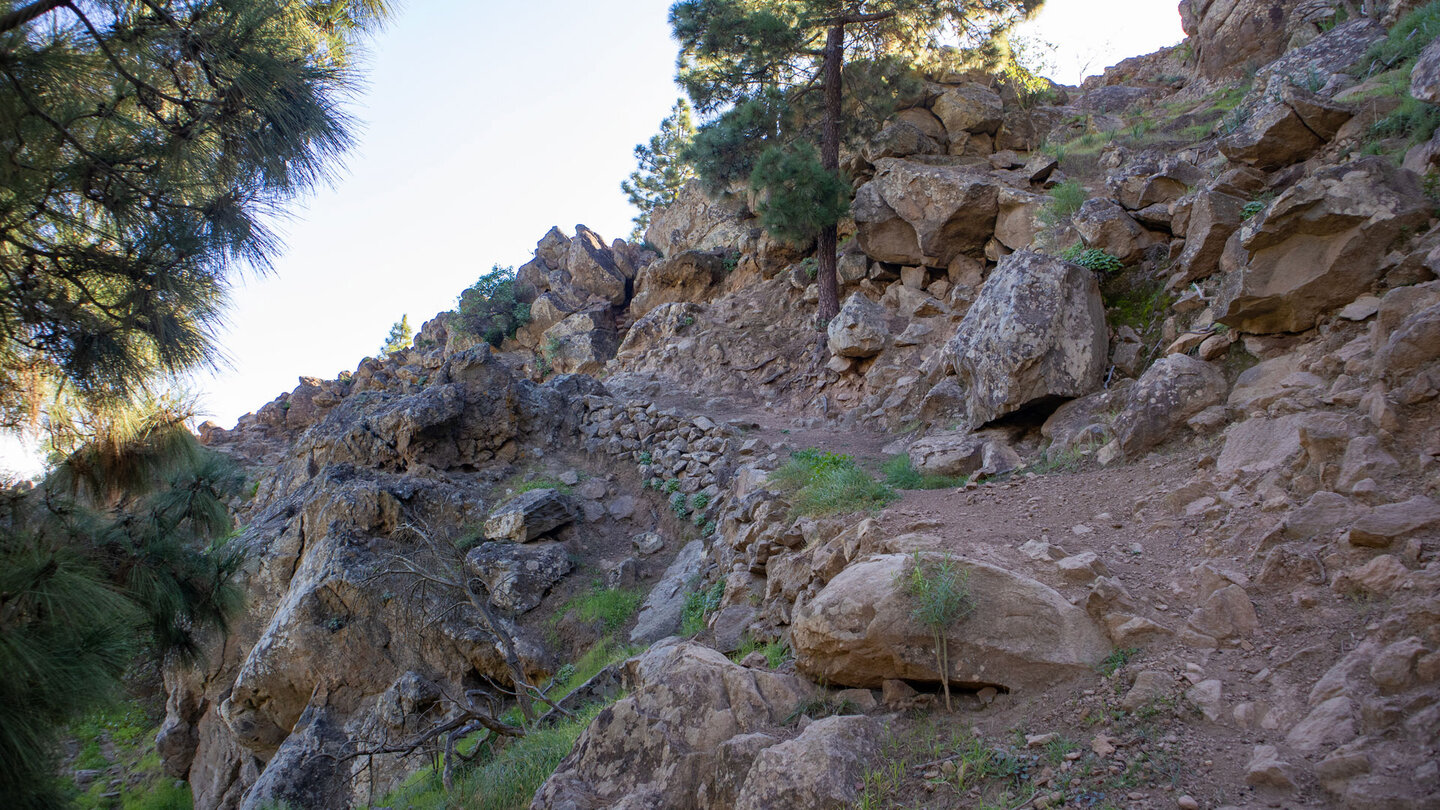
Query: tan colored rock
x=1329 y=724
x=1323 y=514
x=1171 y=391
x=1384 y=525
x=861 y=329
x=901 y=139
x=952 y=454
x=594 y=273
x=1227 y=613
x=1105 y=225
x=925 y=121
x=857 y=631
x=1214 y=217
x=915 y=214
x=581 y=343
x=1267 y=771
x=819 y=770
x=665 y=744
x=1381 y=577
x=518 y=576
x=1313 y=251
x=1425 y=76
x=969 y=108
x=1015 y=226
x=530 y=515
x=684 y=277
x=1037 y=332
x=697 y=222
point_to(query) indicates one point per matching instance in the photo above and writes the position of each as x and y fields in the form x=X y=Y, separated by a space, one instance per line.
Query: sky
x=483 y=123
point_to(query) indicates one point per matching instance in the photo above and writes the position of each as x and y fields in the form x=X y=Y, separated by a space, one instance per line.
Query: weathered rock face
x=1229 y=34
x=687 y=736
x=518 y=576
x=1425 y=76
x=529 y=515
x=1105 y=225
x=969 y=109
x=680 y=278
x=857 y=631
x=660 y=614
x=916 y=214
x=1036 y=333
x=1313 y=250
x=1214 y=216
x=581 y=343
x=860 y=330
x=1170 y=392
x=696 y=222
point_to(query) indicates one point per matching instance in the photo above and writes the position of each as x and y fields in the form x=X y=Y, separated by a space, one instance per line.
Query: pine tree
x=777 y=75
x=662 y=171
x=143 y=142
x=399 y=338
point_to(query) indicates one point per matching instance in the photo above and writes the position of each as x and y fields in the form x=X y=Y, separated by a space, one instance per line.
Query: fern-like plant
x=940 y=591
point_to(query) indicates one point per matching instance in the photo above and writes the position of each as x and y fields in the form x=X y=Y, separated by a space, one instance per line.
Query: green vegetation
x=503 y=780
x=608 y=608
x=489 y=308
x=126 y=736
x=602 y=655
x=662 y=172
x=1413 y=120
x=940 y=591
x=1065 y=201
x=1116 y=660
x=821 y=483
x=399 y=338
x=1404 y=42
x=776 y=652
x=900 y=473
x=1092 y=259
x=544 y=482
x=781 y=110
x=698 y=607
x=1252 y=208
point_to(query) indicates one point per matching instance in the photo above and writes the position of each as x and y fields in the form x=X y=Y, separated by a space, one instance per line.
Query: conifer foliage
x=780 y=78
x=399 y=338
x=662 y=170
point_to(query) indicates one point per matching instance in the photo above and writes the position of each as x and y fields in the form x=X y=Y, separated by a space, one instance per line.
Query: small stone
x=1081 y=529
x=570 y=478
x=1267 y=770
x=1039 y=740
x=1187 y=803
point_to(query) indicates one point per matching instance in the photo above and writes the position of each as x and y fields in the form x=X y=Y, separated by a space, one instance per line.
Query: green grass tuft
x=821 y=483
x=1092 y=259
x=900 y=473
x=610 y=607
x=1065 y=201
x=698 y=607
x=1407 y=38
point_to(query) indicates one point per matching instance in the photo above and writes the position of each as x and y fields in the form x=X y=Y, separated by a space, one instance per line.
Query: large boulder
x=1105 y=225
x=1214 y=217
x=518 y=576
x=1228 y=35
x=530 y=515
x=686 y=736
x=581 y=343
x=594 y=272
x=695 y=221
x=1315 y=248
x=1425 y=76
x=819 y=770
x=1271 y=137
x=900 y=139
x=1166 y=395
x=683 y=277
x=1036 y=334
x=917 y=214
x=858 y=630
x=1015 y=226
x=861 y=329
x=969 y=109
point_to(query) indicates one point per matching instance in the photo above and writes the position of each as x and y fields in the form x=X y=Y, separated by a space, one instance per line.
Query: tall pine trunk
x=826 y=243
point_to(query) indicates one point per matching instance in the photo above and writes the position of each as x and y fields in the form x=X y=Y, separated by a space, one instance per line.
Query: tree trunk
x=830 y=158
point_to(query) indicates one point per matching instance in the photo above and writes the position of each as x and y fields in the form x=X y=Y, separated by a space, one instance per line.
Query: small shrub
x=698 y=607
x=544 y=482
x=1413 y=119
x=1116 y=659
x=471 y=536
x=900 y=473
x=810 y=267
x=646 y=459
x=489 y=310
x=708 y=530
x=940 y=591
x=700 y=501
x=677 y=505
x=672 y=485
x=1092 y=259
x=1065 y=201
x=1252 y=208
x=822 y=483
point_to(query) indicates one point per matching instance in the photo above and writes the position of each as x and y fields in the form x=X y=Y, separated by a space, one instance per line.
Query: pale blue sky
x=482 y=125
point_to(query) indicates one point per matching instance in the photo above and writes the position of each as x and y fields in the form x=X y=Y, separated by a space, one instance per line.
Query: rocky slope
x=1234 y=601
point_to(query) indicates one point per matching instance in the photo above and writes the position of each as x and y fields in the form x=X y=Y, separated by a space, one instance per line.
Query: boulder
x=916 y=214
x=925 y=121
x=822 y=769
x=680 y=278
x=594 y=272
x=857 y=631
x=1384 y=525
x=1314 y=249
x=948 y=454
x=1214 y=217
x=547 y=310
x=1103 y=224
x=1015 y=226
x=530 y=515
x=861 y=329
x=581 y=343
x=901 y=139
x=1272 y=137
x=1035 y=335
x=518 y=576
x=687 y=735
x=1227 y=35
x=969 y=109
x=1171 y=391
x=1425 y=76
x=1145 y=183
x=660 y=612
x=697 y=222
